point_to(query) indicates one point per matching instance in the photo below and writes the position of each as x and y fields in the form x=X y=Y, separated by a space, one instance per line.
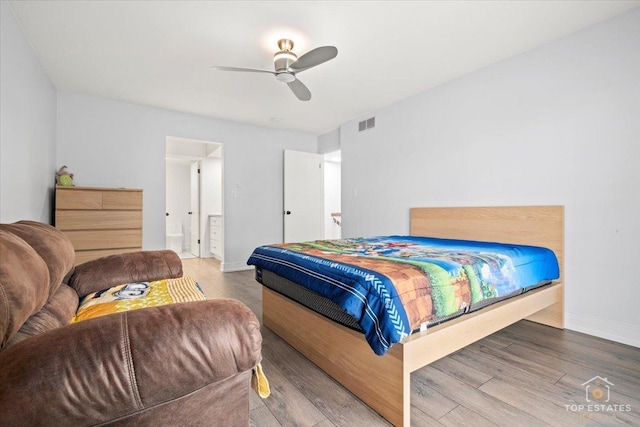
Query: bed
x=383 y=382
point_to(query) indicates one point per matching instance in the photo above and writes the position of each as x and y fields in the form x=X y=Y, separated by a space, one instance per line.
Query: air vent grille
x=367 y=124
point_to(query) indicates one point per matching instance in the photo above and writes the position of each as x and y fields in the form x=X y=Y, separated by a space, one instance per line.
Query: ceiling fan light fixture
x=285 y=77
x=289 y=56
x=282 y=60
x=284 y=57
x=287 y=65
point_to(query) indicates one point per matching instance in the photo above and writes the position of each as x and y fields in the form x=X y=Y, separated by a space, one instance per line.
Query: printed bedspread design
x=132 y=296
x=391 y=285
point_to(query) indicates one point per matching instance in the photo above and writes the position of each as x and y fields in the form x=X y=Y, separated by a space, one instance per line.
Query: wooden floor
x=524 y=375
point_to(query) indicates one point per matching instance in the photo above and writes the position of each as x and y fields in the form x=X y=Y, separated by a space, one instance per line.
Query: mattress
x=309 y=299
x=393 y=285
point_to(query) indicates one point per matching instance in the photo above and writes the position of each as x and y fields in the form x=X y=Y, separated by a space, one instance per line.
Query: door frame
x=186 y=149
x=195 y=192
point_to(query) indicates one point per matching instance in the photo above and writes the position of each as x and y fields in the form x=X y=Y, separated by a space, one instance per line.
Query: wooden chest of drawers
x=100 y=221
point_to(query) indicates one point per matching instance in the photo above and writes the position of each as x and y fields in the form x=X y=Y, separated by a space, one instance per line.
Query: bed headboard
x=526 y=225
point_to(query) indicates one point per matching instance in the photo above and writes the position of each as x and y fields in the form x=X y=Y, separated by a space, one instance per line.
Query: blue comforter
x=392 y=285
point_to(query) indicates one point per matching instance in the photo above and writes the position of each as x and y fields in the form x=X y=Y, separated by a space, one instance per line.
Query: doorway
x=312 y=196
x=332 y=195
x=194 y=195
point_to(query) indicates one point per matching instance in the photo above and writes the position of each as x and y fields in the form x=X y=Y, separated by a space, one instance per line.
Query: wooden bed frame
x=383 y=382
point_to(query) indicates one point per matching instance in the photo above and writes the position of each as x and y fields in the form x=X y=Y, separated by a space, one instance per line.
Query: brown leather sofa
x=181 y=364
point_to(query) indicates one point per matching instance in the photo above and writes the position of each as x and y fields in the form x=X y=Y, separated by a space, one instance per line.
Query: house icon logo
x=597 y=389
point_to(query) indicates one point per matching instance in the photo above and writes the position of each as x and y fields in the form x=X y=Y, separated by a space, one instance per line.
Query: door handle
x=190 y=213
x=288 y=212
x=166 y=214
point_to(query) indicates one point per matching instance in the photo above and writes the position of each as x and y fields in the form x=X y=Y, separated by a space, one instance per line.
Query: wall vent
x=367 y=124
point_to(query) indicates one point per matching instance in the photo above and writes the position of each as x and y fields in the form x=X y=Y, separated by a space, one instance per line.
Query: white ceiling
x=159 y=53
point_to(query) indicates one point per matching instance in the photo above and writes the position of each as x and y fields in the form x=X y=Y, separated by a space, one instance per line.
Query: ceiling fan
x=287 y=65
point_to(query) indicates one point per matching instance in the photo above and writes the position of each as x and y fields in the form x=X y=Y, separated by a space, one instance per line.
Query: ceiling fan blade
x=245 y=70
x=314 y=57
x=299 y=90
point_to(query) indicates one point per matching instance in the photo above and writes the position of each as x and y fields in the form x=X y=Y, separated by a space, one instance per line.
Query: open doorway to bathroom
x=194 y=197
x=332 y=195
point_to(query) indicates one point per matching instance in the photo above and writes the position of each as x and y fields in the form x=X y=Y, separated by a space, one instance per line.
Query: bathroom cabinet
x=99 y=221
x=215 y=235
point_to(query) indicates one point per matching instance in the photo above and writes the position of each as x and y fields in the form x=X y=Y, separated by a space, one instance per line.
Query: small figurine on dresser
x=63 y=177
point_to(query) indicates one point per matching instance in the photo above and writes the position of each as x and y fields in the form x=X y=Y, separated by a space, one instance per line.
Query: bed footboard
x=379 y=381
x=384 y=382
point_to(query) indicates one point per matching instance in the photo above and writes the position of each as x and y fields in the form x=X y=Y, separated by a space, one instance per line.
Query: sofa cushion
x=130 y=267
x=24 y=284
x=51 y=244
x=57 y=312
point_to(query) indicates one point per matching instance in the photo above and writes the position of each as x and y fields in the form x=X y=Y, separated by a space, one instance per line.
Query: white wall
x=329 y=141
x=556 y=125
x=27 y=128
x=212 y=185
x=114 y=144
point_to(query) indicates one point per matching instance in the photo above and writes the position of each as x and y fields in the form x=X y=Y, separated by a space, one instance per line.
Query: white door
x=303 y=196
x=194 y=213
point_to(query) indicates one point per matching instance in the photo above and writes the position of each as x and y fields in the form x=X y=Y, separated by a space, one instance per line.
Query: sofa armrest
x=114 y=270
x=114 y=366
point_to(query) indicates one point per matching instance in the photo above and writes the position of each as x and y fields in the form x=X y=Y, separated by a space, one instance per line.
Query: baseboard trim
x=228 y=267
x=625 y=333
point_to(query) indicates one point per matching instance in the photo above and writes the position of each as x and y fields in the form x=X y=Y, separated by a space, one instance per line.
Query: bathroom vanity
x=215 y=236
